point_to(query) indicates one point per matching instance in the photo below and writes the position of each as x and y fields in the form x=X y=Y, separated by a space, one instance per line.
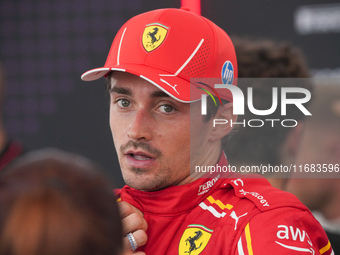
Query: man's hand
x=133 y=222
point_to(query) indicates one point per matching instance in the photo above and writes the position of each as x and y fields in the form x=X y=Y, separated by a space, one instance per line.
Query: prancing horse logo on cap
x=153 y=36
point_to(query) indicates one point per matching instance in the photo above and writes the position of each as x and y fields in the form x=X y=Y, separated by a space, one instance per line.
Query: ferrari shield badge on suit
x=194 y=239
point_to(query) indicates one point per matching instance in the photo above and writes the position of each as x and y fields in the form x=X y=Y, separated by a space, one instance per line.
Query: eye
x=123 y=102
x=166 y=108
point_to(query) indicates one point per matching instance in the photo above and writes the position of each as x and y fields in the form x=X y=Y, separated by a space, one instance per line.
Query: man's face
x=151 y=133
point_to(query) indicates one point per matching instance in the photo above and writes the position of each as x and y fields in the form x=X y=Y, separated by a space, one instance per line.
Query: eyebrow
x=124 y=91
x=159 y=94
x=120 y=90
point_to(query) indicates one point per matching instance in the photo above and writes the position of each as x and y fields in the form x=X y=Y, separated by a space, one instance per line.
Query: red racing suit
x=233 y=215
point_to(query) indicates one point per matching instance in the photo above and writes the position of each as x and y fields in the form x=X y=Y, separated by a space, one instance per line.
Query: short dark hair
x=263 y=58
x=108 y=81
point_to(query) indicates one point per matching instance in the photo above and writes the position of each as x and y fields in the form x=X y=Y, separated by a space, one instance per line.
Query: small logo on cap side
x=153 y=36
x=227 y=73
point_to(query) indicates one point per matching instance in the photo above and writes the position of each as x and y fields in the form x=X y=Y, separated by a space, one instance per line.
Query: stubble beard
x=141 y=179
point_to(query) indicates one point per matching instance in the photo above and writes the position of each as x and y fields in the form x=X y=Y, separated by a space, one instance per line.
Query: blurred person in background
x=253 y=146
x=53 y=202
x=9 y=148
x=321 y=145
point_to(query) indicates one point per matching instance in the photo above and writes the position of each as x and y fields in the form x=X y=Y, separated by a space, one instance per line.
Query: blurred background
x=45 y=46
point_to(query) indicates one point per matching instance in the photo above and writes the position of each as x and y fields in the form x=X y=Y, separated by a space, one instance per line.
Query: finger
x=126 y=209
x=140 y=237
x=133 y=222
x=134 y=253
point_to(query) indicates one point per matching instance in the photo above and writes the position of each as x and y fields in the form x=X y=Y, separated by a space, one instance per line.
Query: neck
x=280 y=183
x=209 y=158
x=331 y=211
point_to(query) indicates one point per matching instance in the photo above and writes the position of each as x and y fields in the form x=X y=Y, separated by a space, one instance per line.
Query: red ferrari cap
x=168 y=47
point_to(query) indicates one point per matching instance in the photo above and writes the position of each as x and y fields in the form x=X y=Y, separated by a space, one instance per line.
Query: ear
x=291 y=144
x=221 y=122
x=333 y=148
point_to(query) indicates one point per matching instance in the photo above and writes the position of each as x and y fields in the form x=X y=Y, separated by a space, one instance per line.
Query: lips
x=139 y=159
x=139 y=155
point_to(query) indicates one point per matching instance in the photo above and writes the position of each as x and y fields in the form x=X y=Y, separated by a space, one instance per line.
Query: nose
x=140 y=127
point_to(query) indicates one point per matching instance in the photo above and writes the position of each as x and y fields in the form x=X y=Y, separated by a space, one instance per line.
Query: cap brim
x=176 y=87
x=95 y=74
x=171 y=84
